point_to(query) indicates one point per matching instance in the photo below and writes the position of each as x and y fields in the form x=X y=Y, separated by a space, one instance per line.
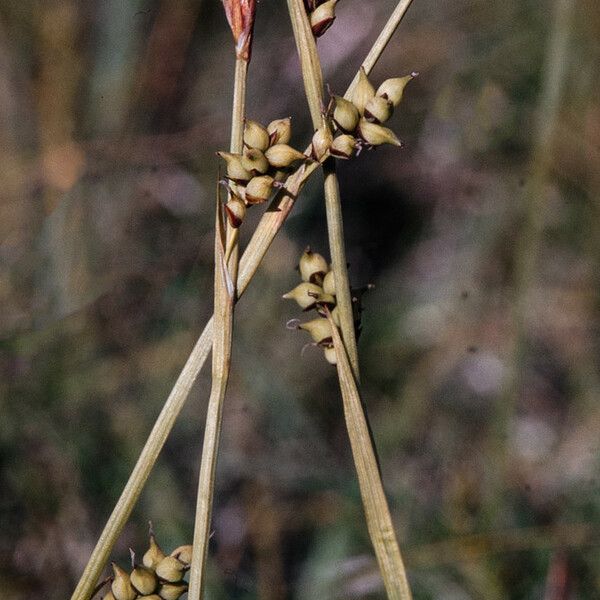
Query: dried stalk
x=379 y=522
x=377 y=513
x=224 y=301
x=270 y=223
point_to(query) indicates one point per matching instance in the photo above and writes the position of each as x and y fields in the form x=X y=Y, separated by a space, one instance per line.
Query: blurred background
x=480 y=341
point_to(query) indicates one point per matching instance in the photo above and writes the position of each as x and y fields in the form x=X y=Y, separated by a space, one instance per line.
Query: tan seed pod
x=312 y=266
x=108 y=596
x=393 y=89
x=236 y=211
x=255 y=161
x=143 y=580
x=280 y=131
x=304 y=294
x=255 y=135
x=172 y=591
x=329 y=284
x=321 y=142
x=330 y=355
x=121 y=585
x=378 y=109
x=319 y=329
x=152 y=597
x=235 y=169
x=322 y=18
x=153 y=555
x=183 y=554
x=375 y=134
x=343 y=146
x=363 y=92
x=281 y=156
x=259 y=189
x=170 y=569
x=345 y=114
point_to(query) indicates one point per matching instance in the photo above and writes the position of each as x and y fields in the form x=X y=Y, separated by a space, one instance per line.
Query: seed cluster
x=317 y=291
x=262 y=166
x=359 y=120
x=321 y=14
x=159 y=577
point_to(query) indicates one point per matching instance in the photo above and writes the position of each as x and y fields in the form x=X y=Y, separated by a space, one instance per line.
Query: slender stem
x=377 y=512
x=224 y=301
x=311 y=70
x=381 y=42
x=238 y=111
x=222 y=340
x=270 y=224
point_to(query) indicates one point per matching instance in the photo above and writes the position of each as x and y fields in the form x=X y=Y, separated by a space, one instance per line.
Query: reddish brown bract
x=240 y=14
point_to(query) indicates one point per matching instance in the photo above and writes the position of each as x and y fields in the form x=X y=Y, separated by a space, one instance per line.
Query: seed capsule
x=345 y=114
x=377 y=134
x=236 y=211
x=121 y=586
x=321 y=142
x=143 y=580
x=170 y=569
x=235 y=169
x=280 y=131
x=109 y=596
x=304 y=294
x=363 y=91
x=255 y=135
x=281 y=156
x=393 y=89
x=329 y=284
x=259 y=189
x=322 y=18
x=378 y=109
x=319 y=329
x=312 y=266
x=172 y=591
x=330 y=355
x=343 y=146
x=153 y=555
x=254 y=160
x=183 y=554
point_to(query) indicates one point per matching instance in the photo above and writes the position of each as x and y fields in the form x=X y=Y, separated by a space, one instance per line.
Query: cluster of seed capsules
x=359 y=120
x=265 y=162
x=159 y=577
x=321 y=14
x=317 y=292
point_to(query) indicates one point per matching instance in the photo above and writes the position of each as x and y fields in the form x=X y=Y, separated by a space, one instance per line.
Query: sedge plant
x=261 y=168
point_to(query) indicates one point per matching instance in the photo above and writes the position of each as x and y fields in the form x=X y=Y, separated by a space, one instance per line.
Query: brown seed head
x=240 y=14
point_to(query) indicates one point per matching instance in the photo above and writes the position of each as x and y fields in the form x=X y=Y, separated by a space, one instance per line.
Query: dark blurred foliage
x=480 y=342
